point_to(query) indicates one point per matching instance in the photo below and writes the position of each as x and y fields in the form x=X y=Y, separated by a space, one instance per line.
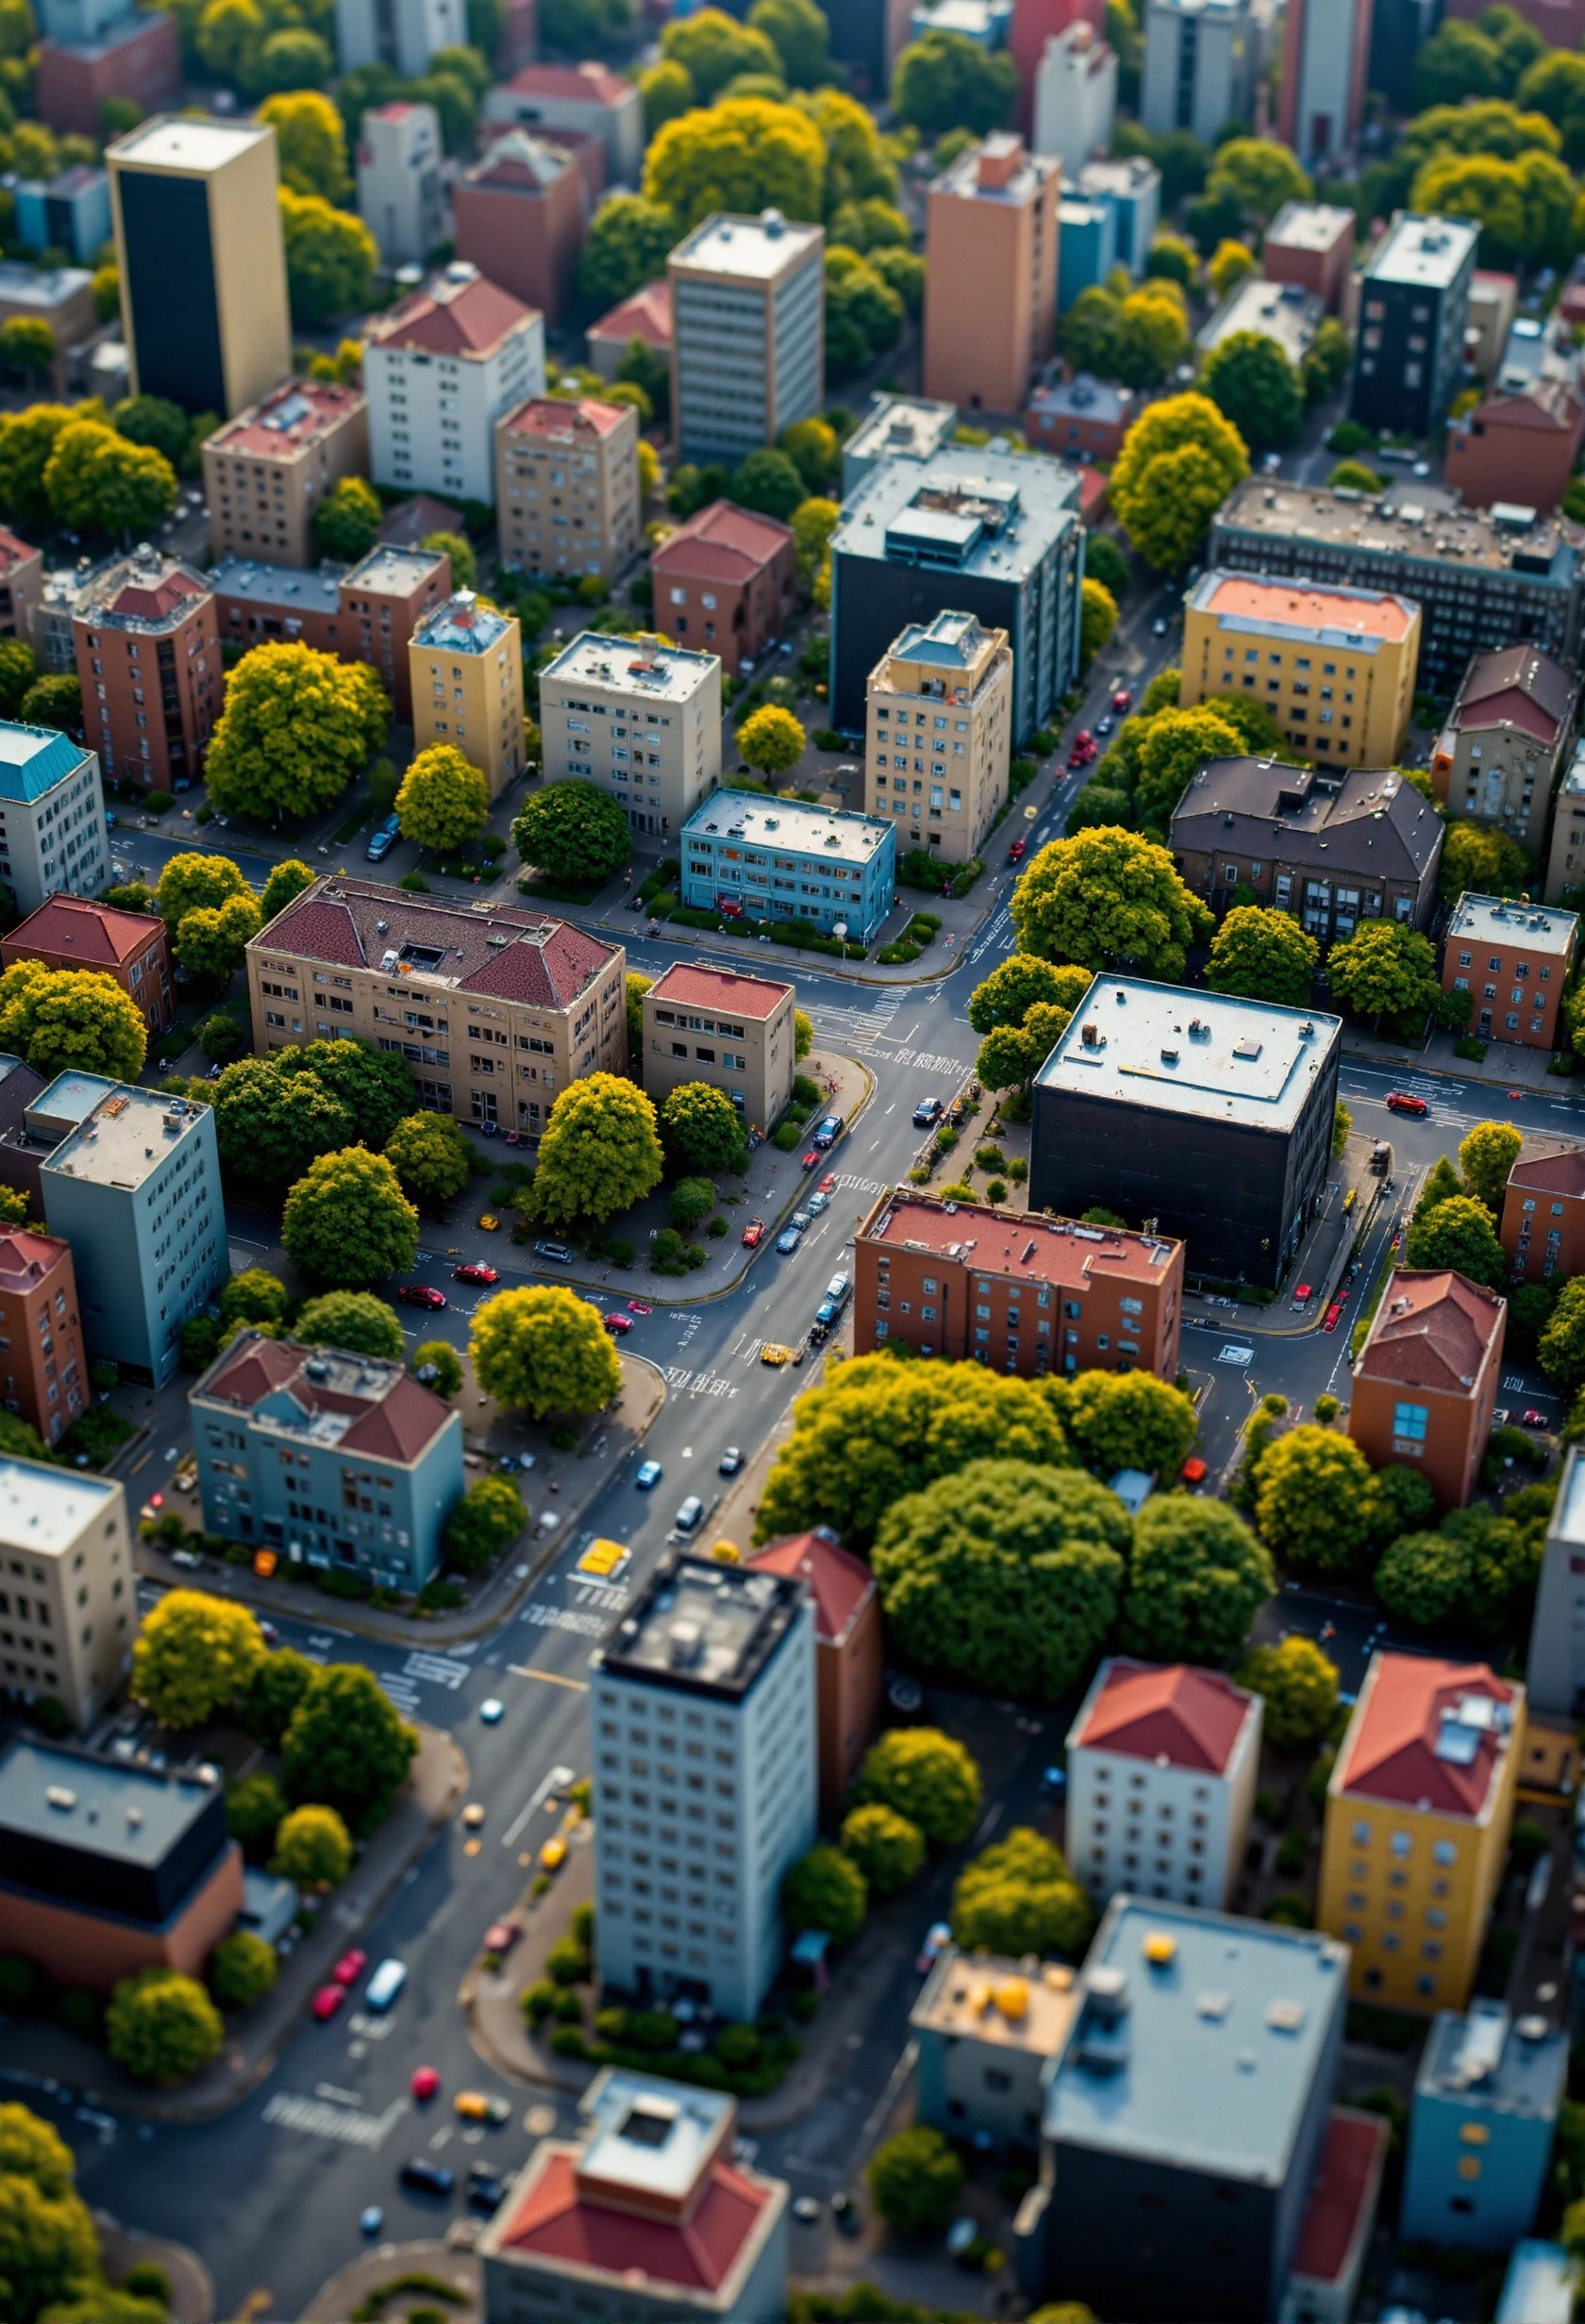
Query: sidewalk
x=344 y=2293
x=1506 y=1064
x=192 y=2285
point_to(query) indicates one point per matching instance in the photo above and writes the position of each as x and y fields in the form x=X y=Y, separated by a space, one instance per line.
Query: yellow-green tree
x=443 y=801
x=1179 y=462
x=543 y=1350
x=744 y=156
x=310 y=143
x=600 y=1153
x=771 y=739
x=61 y=1017
x=194 y=1655
x=96 y=481
x=296 y=727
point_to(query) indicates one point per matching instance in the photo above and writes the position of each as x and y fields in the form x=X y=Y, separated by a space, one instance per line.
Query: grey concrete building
x=748 y=334
x=1200 y=61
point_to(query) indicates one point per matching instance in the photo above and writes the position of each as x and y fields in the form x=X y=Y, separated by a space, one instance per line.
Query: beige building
x=641 y=719
x=68 y=1605
x=987 y=2031
x=991 y=273
x=495 y=1008
x=1335 y=667
x=465 y=660
x=939 y=733
x=748 y=334
x=736 y=1033
x=266 y=472
x=567 y=488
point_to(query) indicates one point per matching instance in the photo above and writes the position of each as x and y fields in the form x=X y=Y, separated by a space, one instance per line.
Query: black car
x=424 y=2177
x=927 y=1111
x=486 y=2188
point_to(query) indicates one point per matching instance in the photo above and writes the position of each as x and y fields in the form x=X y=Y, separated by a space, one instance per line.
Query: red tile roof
x=353 y=923
x=1343 y=2195
x=594 y=84
x=1433 y=1330
x=686 y=987
x=95 y=935
x=554 y=2222
x=559 y=418
x=1028 y=1246
x=1389 y=1752
x=24 y=1258
x=839 y=1583
x=1193 y=1717
x=1562 y=1172
x=1516 y=684
x=15 y=552
x=646 y=315
x=461 y=319
x=293 y=415
x=722 y=543
x=395 y=1420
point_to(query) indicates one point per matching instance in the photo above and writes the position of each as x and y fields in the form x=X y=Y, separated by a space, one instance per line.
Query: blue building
x=1086 y=245
x=755 y=857
x=1485 y=2102
x=70 y=213
x=1133 y=186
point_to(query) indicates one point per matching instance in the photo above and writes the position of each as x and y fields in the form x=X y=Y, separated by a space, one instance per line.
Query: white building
x=1555 y=1671
x=749 y=347
x=399 y=194
x=439 y=371
x=1161 y=1769
x=403 y=33
x=1076 y=97
x=644 y=724
x=1201 y=58
x=52 y=817
x=589 y=97
x=68 y=1603
x=702 y=1711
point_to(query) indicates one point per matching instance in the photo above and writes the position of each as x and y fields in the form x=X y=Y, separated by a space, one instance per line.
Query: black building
x=1399 y=29
x=1413 y=310
x=116 y=1839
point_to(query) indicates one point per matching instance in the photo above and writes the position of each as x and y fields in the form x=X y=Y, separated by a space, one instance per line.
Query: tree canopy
x=1019 y=1897
x=573 y=830
x=310 y=144
x=193 y=1655
x=276 y=1115
x=1196 y=1580
x=346 y=1747
x=445 y=800
x=1179 y=462
x=888 y=1850
x=713 y=48
x=1561 y=1348
x=1459 y=1234
x=825 y=1889
x=1117 y=1420
x=771 y=739
x=600 y=1153
x=298 y=726
x=355 y=1320
x=1384 y=970
x=96 y=480
x=543 y=1350
x=1263 y=956
x=347 y=1221
x=701 y=1129
x=331 y=259
x=1253 y=385
x=629 y=239
x=1524 y=208
x=947 y=81
x=57 y=1019
x=1173 y=748
x=744 y=156
x=927 y=1776
x=431 y=1155
x=1312 y=1498
x=49 y=2246
x=1104 y=897
x=1487 y=1155
x=1134 y=333
x=347 y=520
x=162 y=2026
x=1298 y=1686
x=488 y=1517
x=1020 y=982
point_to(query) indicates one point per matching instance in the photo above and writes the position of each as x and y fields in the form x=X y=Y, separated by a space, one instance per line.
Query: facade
x=133 y=948
x=1543 y=1227
x=440 y=369
x=749 y=347
x=1555 y=1670
x=523 y=210
x=1540 y=2284
x=567 y=488
x=1201 y=58
x=1133 y=186
x=1513 y=961
x=400 y=198
x=1418 y=1810
x=203 y=271
x=1210 y=1114
x=725 y=582
x=1035 y=25
x=849 y=1650
x=61 y=296
x=744 y=855
x=588 y=98
x=52 y=816
x=753 y=1012
x=1326 y=55
x=1162 y=1765
x=1076 y=97
x=1082 y=418
x=1284 y=312
x=335 y=1461
x=707 y=1657
x=52 y=622
x=1335 y=2240
x=1087 y=246
x=45 y=1372
x=1334 y=667
x=1426 y=1381
x=69 y=1603
x=986 y=2031
x=646 y=316
x=147 y=648
x=866 y=36
x=22 y=1156
x=643 y=720
x=1414 y=307
x=135 y=55
x=898 y=427
x=382 y=603
x=1518 y=447
x=1492 y=305
x=947 y=671
x=542 y=1003
x=962 y=1279
x=402 y=33
x=647 y=2215
x=1486 y=2103
x=466 y=665
x=1311 y=245
x=22 y=588
x=266 y=472
x=1500 y=756
x=70 y=211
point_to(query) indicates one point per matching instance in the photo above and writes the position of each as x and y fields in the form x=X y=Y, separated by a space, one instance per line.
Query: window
x=1409 y=1426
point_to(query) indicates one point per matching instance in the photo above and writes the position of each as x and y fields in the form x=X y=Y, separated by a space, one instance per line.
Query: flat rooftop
x=966 y=509
x=1495 y=2063
x=649 y=2137
x=1280 y=311
x=126 y=1814
x=1351 y=621
x=633 y=666
x=179 y=143
x=684 y=985
x=1423 y=253
x=976 y=1996
x=1123 y=179
x=123 y=1138
x=45 y=288
x=1029 y=1247
x=1518 y=927
x=1194 y=1054
x=703 y=1628
x=902 y=428
x=757 y=249
x=1417 y=524
x=955 y=643
x=389 y=570
x=286 y=589
x=45 y=1509
x=461 y=626
x=1309 y=225
x=789 y=825
x=999 y=169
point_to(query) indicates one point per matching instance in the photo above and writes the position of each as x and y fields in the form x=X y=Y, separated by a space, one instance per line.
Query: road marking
x=548 y=1678
x=350 y=2126
x=563 y=1617
x=556 y=1779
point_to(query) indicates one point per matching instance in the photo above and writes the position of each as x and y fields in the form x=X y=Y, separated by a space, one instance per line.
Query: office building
x=1079 y=417
x=70 y=211
x=994 y=534
x=382 y=602
x=1201 y=58
x=22 y=589
x=1414 y=306
x=147 y=649
x=400 y=197
x=1418 y=1809
x=110 y=1867
x=849 y=1650
x=707 y=1658
x=52 y=816
x=567 y=488
x=403 y=34
x=1325 y=54
x=133 y=1185
x=1162 y=1765
x=1399 y=29
x=1486 y=2103
x=1334 y=667
x=1426 y=1381
x=754 y=1015
x=1209 y=1114
x=939 y=733
x=522 y=209
x=496 y=1014
x=266 y=472
x=1133 y=186
x=1076 y=97
x=1555 y=1670
x=1333 y=853
x=1480 y=579
x=61 y=297
x=440 y=369
x=1542 y=1226
x=1513 y=960
x=1203 y=2060
x=96 y=52
x=131 y=948
x=748 y=349
x=1500 y=756
x=986 y=2031
x=1284 y=312
x=749 y=856
x=1311 y=245
x=646 y=316
x=465 y=663
x=1087 y=246
x=898 y=427
x=991 y=251
x=589 y=99
x=203 y=270
x=641 y=719
x=648 y=2213
x=726 y=583
x=331 y=1460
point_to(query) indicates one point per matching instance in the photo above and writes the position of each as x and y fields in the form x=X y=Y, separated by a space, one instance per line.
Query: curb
x=1441 y=1073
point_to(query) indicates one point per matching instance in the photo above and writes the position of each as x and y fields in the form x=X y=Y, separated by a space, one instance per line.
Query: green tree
x=1126 y=1421
x=927 y=1776
x=811 y=446
x=1525 y=208
x=1353 y=477
x=1019 y=984
x=1260 y=176
x=296 y=727
x=701 y=1130
x=1441 y=1182
x=1561 y=1346
x=210 y=945
x=945 y=81
x=196 y=882
x=372 y=1087
x=1485 y=862
x=915 y=2178
x=1198 y=1578
x=32 y=2149
x=713 y=48
x=1486 y=1156
x=1459 y=1234
x=155 y=421
x=1326 y=363
x=1134 y=335
x=1107 y=896
x=254 y=1295
x=825 y=1889
x=445 y=800
x=439 y=1358
x=813 y=522
x=253 y=1807
x=769 y=482
x=314 y=1848
x=27 y=345
x=1097 y=620
x=347 y=520
x=243 y=1969
x=742 y=156
x=271 y=1125
x=667 y=92
x=311 y=147
x=347 y=1221
x=162 y=2026
x=276 y=1687
x=286 y=883
x=355 y=1320
x=771 y=739
x=49 y=2247
x=1384 y=970
x=18 y=670
x=331 y=259
x=573 y=830
x=1175 y=745
x=27 y=440
x=57 y=1019
x=888 y=1850
x=346 y=1748
x=1019 y=1897
x=859 y=162
x=799 y=33
x=1312 y=1498
x=543 y=1350
x=54 y=701
x=1262 y=955
x=431 y=1155
x=1253 y=385
x=1298 y=1687
x=629 y=242
x=99 y=482
x=1555 y=86
x=1105 y=561
x=490 y=1515
x=1231 y=264
x=1179 y=462
x=600 y=1152
x=586 y=27
x=193 y=1656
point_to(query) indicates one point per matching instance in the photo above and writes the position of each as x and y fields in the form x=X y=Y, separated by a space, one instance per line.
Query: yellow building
x=465 y=660
x=1335 y=667
x=939 y=733
x=1418 y=1811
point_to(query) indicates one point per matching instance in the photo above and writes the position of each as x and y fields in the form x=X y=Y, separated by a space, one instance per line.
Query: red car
x=1329 y=1320
x=350 y=1967
x=420 y=1295
x=1123 y=699
x=829 y=1183
x=475 y=1272
x=810 y=1160
x=1084 y=740
x=617 y=1323
x=1534 y=1419
x=501 y=1936
x=424 y=2082
x=1193 y=1470
x=1402 y=1102
x=327 y=2001
x=1016 y=852
x=637 y=1308
x=754 y=1234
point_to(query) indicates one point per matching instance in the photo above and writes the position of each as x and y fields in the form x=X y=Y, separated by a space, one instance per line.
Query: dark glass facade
x=172 y=289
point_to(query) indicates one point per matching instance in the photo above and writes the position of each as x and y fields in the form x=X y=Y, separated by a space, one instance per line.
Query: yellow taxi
x=553 y=1855
x=490 y=1222
x=473 y=1815
x=774 y=1352
x=474 y=2107
x=603 y=1560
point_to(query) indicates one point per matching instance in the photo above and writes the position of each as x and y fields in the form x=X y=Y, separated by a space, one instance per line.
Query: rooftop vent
x=60 y=1797
x=1159 y=1947
x=1249 y=1047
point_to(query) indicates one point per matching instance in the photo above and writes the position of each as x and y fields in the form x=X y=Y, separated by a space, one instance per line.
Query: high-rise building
x=203 y=268
x=939 y=733
x=399 y=194
x=748 y=349
x=71 y=1610
x=1201 y=58
x=643 y=722
x=467 y=686
x=439 y=370
x=1335 y=667
x=1413 y=310
x=402 y=33
x=1162 y=1765
x=567 y=488
x=148 y=662
x=1325 y=52
x=1426 y=1381
x=266 y=472
x=990 y=274
x=1133 y=185
x=44 y=1370
x=52 y=816
x=1399 y=30
x=1076 y=97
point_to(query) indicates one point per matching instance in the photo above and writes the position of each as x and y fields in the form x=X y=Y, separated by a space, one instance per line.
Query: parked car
x=424 y=2083
x=486 y=2188
x=327 y=2001
x=422 y=2176
x=646 y=1474
x=474 y=1270
x=371 y=2220
x=802 y=1220
x=828 y=1131
x=350 y=1967
x=1330 y=1319
x=812 y=1159
x=1534 y=1419
x=730 y=1461
x=475 y=2106
x=754 y=1234
x=385 y=1984
x=381 y=845
x=1405 y=1102
x=930 y=1110
x=1105 y=722
x=1193 y=1470
x=420 y=1295
x=553 y=1855
x=690 y=1516
x=502 y=1935
x=788 y=1240
x=638 y=1308
x=817 y=1202
x=560 y=1252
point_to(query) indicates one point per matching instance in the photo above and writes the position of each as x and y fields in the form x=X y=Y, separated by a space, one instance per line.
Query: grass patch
x=98 y=1433
x=350 y=829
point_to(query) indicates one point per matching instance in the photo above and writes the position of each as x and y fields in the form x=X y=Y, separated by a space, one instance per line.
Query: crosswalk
x=420 y=1669
x=323 y=2117
x=854 y=1028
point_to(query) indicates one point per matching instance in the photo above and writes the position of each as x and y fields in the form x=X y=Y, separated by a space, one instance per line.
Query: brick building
x=849 y=1650
x=747 y=1044
x=1514 y=962
x=134 y=948
x=724 y=581
x=1426 y=1381
x=381 y=600
x=139 y=57
x=1310 y=243
x=1080 y=419
x=523 y=210
x=588 y=98
x=149 y=661
x=567 y=488
x=1500 y=756
x=991 y=251
x=266 y=472
x=1543 y=1228
x=22 y=587
x=44 y=1369
x=1519 y=448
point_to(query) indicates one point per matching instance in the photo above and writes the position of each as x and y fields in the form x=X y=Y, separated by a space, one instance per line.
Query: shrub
x=825 y=1890
x=886 y=1848
x=915 y=2181
x=243 y=1968
x=928 y=1777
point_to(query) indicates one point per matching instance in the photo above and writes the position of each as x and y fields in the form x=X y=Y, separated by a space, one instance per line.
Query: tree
x=742 y=156
x=1252 y=383
x=586 y=27
x=1018 y=1897
x=799 y=33
x=543 y=1350
x=1231 y=264
x=1263 y=956
x=803 y=1034
x=331 y=259
x=825 y=1890
x=193 y=1655
x=1298 y=1687
x=945 y=81
x=1132 y=334
x=1106 y=896
x=667 y=92
x=430 y=1156
x=311 y=147
x=440 y=1358
x=927 y=1776
x=1197 y=1579
x=1097 y=619
x=888 y=1850
x=1312 y=1498
x=771 y=739
x=600 y=1152
x=572 y=832
x=355 y=1320
x=54 y=701
x=99 y=482
x=314 y=1848
x=27 y=345
x=637 y=987
x=162 y=2026
x=347 y=1221
x=813 y=447
x=1458 y=1234
x=915 y=2178
x=1260 y=176
x=629 y=242
x=1018 y=984
x=58 y=1019
x=372 y=1087
x=1524 y=208
x=863 y=314
x=347 y=520
x=1126 y=1421
x=1353 y=477
x=490 y=1515
x=445 y=800
x=296 y=727
x=1175 y=746
x=196 y=882
x=1486 y=1156
x=243 y=1968
x=1555 y=86
x=346 y=1748
x=276 y=1687
x=18 y=670
x=1179 y=462
x=254 y=1295
x=1107 y=563
x=702 y=1129
x=1384 y=970
x=713 y=48
x=32 y=2149
x=1480 y=861
x=27 y=440
x=286 y=883
x=49 y=2246
x=1561 y=1346
x=1326 y=364
x=210 y=945
x=769 y=482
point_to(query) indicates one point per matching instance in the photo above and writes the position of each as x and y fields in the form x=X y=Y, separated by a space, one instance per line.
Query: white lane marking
x=351 y=2126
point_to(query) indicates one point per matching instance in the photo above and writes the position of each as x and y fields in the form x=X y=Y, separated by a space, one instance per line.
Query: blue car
x=381 y=845
x=382 y=1988
x=647 y=1475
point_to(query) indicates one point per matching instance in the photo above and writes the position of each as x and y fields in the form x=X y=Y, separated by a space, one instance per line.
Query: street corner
x=190 y=2286
x=542 y=1933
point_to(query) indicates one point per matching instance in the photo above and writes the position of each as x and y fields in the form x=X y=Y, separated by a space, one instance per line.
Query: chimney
x=1000 y=160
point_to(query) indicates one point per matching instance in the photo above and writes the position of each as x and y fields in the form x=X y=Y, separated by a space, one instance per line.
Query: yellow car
x=774 y=1352
x=472 y=1815
x=473 y=2106
x=490 y=1222
x=553 y=1855
x=603 y=1560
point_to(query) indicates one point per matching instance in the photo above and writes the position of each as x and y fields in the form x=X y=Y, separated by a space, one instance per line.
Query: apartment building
x=147 y=649
x=403 y=34
x=726 y=583
x=991 y=273
x=400 y=197
x=1426 y=1381
x=898 y=427
x=986 y=2031
x=1283 y=312
x=646 y=316
x=382 y=603
x=68 y=1600
x=465 y=667
x=1513 y=960
x=1520 y=443
x=1543 y=1227
x=567 y=488
x=43 y=1367
x=52 y=816
x=1500 y=756
x=495 y=1010
x=1087 y=246
x=132 y=948
x=1201 y=59
x=1321 y=92
x=752 y=1015
x=1413 y=312
x=52 y=622
x=1418 y=1811
x=1565 y=855
x=849 y=1650
x=1311 y=245
x=1076 y=97
x=1493 y=305
x=127 y=53
x=1555 y=1666
x=440 y=369
x=266 y=472
x=22 y=587
x=588 y=98
x=1030 y=1295
x=1334 y=667
x=746 y=855
x=1487 y=2098
x=748 y=322
x=705 y=1754
x=1132 y=186
x=939 y=733
x=522 y=209
x=1081 y=418
x=1162 y=1765
x=641 y=719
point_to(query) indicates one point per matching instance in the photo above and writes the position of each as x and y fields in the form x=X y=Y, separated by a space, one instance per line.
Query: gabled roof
x=839 y=1583
x=1516 y=686
x=1371 y=823
x=589 y=84
x=1343 y=2196
x=14 y=552
x=459 y=314
x=26 y=1258
x=96 y=935
x=722 y=543
x=1192 y=1718
x=379 y=1409
x=1562 y=1171
x=647 y=315
x=1433 y=1330
x=1398 y=1748
x=514 y=954
x=559 y=418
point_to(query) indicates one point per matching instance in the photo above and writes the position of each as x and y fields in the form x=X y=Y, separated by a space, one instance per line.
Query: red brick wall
x=81 y=1947
x=74 y=82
